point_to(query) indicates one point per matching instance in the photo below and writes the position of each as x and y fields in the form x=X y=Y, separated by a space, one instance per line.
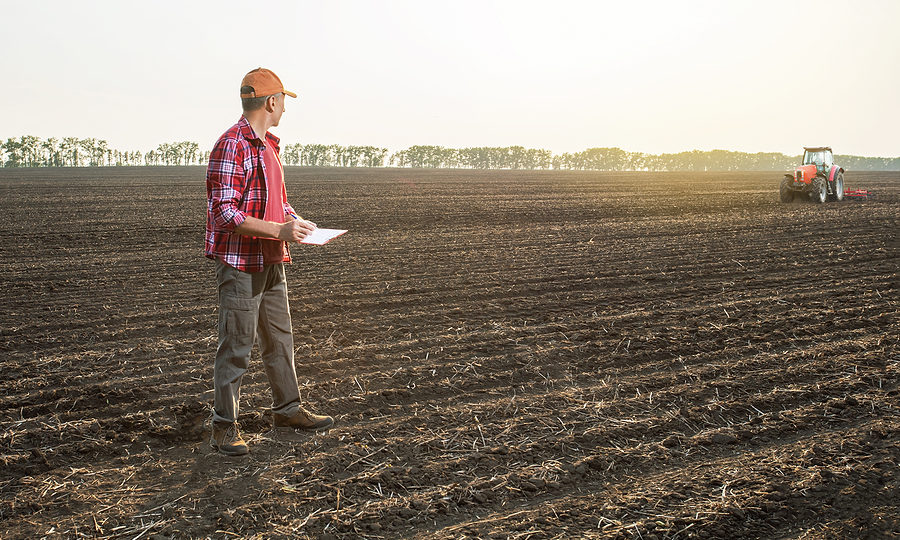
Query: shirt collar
x=247 y=131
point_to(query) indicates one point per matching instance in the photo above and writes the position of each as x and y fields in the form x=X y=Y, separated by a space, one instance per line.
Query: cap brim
x=293 y=95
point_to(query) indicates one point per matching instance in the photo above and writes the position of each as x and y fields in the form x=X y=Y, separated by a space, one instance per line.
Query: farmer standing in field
x=248 y=225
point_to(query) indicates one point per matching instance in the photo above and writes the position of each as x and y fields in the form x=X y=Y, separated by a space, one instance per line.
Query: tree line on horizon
x=30 y=151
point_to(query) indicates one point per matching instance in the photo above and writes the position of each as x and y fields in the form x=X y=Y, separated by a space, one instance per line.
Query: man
x=248 y=225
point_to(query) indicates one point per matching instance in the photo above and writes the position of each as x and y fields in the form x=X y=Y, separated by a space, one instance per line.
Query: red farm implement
x=858 y=194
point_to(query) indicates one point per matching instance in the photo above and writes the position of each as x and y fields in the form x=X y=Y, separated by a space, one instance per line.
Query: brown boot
x=303 y=419
x=226 y=439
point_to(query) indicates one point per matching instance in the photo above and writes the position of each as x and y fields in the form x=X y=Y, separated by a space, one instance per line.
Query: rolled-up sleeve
x=225 y=181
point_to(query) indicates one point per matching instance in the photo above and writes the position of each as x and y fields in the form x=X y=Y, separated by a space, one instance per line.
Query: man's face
x=279 y=108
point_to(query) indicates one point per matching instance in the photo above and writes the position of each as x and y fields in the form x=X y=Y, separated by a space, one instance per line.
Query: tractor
x=817 y=178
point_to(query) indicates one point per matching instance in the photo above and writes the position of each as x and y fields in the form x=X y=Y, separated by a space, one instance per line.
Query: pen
x=298 y=217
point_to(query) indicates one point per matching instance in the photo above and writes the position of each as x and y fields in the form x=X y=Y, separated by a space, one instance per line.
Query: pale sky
x=649 y=76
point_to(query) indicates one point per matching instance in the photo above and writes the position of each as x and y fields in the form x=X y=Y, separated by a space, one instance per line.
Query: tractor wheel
x=838 y=188
x=819 y=191
x=787 y=194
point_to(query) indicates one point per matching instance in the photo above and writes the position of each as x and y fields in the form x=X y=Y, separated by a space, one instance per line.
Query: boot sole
x=230 y=454
x=304 y=429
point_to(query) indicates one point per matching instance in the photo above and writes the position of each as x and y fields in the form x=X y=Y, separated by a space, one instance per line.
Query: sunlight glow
x=648 y=76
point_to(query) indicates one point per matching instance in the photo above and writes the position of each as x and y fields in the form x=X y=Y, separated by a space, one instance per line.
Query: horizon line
x=395 y=150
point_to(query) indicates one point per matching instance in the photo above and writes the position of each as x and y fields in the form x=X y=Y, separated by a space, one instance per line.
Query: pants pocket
x=240 y=315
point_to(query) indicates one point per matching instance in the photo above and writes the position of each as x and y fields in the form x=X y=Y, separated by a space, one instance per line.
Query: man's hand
x=296 y=230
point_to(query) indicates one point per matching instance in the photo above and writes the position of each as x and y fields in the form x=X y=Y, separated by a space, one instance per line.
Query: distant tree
x=100 y=152
x=538 y=159
x=333 y=157
x=87 y=149
x=164 y=153
x=191 y=149
x=68 y=149
x=374 y=157
x=50 y=152
x=290 y=154
x=13 y=150
x=314 y=155
x=31 y=150
x=398 y=159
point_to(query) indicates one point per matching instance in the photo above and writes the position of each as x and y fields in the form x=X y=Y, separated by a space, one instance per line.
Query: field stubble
x=507 y=354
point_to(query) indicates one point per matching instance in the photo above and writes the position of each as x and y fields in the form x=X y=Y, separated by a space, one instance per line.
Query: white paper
x=322 y=236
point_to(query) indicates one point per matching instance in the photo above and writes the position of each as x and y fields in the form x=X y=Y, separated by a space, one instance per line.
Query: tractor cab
x=821 y=157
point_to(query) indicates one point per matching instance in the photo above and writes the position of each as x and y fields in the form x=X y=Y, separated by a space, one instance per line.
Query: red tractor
x=818 y=178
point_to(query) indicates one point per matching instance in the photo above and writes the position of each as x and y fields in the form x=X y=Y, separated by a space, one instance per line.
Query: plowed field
x=507 y=355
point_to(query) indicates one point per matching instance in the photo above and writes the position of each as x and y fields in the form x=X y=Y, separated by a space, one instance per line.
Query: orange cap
x=264 y=83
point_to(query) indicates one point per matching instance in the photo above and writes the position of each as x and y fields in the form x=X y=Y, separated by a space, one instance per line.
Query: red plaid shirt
x=235 y=189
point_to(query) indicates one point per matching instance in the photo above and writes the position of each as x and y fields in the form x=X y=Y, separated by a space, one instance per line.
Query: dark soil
x=507 y=354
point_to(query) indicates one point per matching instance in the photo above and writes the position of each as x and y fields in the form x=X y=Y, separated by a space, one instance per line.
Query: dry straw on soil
x=508 y=355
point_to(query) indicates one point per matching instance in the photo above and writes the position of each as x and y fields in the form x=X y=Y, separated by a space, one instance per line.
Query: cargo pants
x=253 y=305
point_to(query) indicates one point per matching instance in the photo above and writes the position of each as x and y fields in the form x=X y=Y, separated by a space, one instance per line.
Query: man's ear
x=270 y=103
